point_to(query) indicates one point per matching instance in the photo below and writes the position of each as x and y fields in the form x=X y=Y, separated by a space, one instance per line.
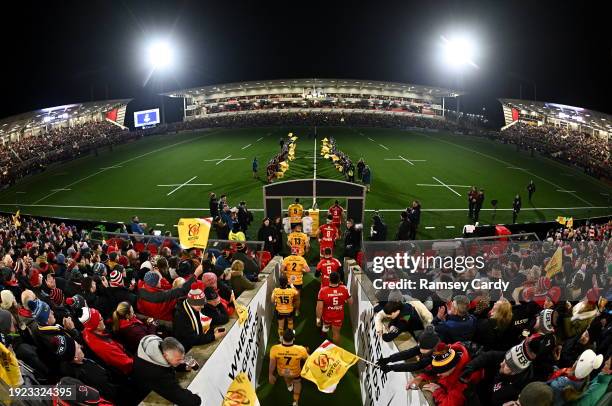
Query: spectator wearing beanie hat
x=573 y=347
x=117 y=292
x=447 y=365
x=158 y=303
x=74 y=364
x=60 y=265
x=510 y=372
x=214 y=308
x=191 y=327
x=423 y=351
x=568 y=384
x=73 y=286
x=546 y=321
x=583 y=314
x=106 y=349
x=597 y=390
x=222 y=289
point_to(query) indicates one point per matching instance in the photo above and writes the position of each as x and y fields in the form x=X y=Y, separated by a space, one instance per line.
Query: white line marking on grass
x=246 y=146
x=498 y=209
x=190 y=184
x=259 y=139
x=371 y=139
x=180 y=186
x=516 y=167
x=450 y=226
x=125 y=162
x=224 y=159
x=508 y=164
x=59 y=190
x=566 y=191
x=112 y=167
x=159 y=225
x=436 y=185
x=429 y=228
x=384 y=147
x=447 y=186
x=410 y=161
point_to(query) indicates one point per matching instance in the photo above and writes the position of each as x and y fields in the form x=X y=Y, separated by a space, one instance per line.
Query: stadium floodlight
x=459 y=51
x=160 y=54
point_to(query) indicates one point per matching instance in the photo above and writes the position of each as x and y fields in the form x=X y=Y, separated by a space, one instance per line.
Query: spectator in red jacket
x=153 y=301
x=108 y=350
x=443 y=384
x=128 y=329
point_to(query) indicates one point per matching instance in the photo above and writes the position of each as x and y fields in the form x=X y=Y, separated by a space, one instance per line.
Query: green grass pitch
x=118 y=184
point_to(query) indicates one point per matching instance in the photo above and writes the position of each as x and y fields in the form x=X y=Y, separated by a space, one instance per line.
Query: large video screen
x=146 y=118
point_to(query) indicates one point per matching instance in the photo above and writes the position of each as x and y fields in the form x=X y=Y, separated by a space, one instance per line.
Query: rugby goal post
x=354 y=194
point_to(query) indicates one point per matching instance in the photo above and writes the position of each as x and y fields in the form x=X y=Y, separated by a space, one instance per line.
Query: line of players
x=286 y=358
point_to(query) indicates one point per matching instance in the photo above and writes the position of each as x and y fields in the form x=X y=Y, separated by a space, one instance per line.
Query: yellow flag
x=16 y=219
x=561 y=220
x=9 y=367
x=327 y=365
x=240 y=392
x=554 y=264
x=569 y=222
x=193 y=232
x=243 y=313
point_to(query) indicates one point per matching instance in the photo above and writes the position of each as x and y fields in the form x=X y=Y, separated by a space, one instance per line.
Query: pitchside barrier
x=377 y=388
x=241 y=350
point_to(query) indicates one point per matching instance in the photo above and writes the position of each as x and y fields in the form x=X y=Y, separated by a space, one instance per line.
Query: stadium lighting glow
x=160 y=54
x=459 y=51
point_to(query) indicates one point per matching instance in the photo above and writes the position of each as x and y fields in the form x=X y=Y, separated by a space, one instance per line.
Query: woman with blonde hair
x=492 y=331
x=239 y=283
x=128 y=329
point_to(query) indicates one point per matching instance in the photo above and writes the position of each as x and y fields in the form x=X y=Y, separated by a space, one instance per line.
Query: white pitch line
x=410 y=161
x=159 y=225
x=180 y=186
x=246 y=146
x=258 y=210
x=224 y=159
x=566 y=191
x=429 y=228
x=436 y=185
x=516 y=167
x=190 y=184
x=450 y=226
x=112 y=167
x=59 y=190
x=125 y=162
x=371 y=139
x=448 y=187
x=259 y=139
x=384 y=147
x=508 y=164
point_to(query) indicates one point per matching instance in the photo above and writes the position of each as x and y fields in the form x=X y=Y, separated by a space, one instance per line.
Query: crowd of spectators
x=116 y=319
x=587 y=151
x=545 y=340
x=35 y=153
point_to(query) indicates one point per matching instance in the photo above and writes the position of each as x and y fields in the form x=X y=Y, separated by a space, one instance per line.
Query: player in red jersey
x=326 y=266
x=336 y=212
x=330 y=306
x=328 y=234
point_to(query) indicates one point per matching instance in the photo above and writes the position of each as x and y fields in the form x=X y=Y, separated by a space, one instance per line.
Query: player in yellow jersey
x=297 y=239
x=285 y=299
x=286 y=359
x=295 y=210
x=294 y=267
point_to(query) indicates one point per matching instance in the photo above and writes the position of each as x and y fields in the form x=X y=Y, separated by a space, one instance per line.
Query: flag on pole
x=240 y=392
x=554 y=264
x=569 y=222
x=327 y=365
x=561 y=220
x=194 y=232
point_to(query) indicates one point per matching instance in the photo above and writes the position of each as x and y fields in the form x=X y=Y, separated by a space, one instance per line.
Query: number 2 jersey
x=295 y=266
x=326 y=266
x=283 y=299
x=288 y=359
x=333 y=299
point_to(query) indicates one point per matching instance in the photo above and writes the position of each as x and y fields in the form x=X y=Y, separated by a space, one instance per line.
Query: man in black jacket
x=422 y=352
x=352 y=239
x=506 y=374
x=214 y=308
x=189 y=325
x=516 y=208
x=403 y=230
x=414 y=215
x=154 y=370
x=213 y=205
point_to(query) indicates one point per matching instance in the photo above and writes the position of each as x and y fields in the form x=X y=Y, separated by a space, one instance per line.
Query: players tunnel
x=354 y=194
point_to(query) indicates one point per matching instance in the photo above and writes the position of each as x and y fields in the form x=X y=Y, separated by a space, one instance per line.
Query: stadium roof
x=578 y=115
x=37 y=118
x=290 y=83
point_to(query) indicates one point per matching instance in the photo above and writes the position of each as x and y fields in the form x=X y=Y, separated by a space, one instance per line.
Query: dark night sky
x=58 y=54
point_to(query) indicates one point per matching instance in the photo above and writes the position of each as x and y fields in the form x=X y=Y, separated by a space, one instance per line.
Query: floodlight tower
x=160 y=58
x=458 y=52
